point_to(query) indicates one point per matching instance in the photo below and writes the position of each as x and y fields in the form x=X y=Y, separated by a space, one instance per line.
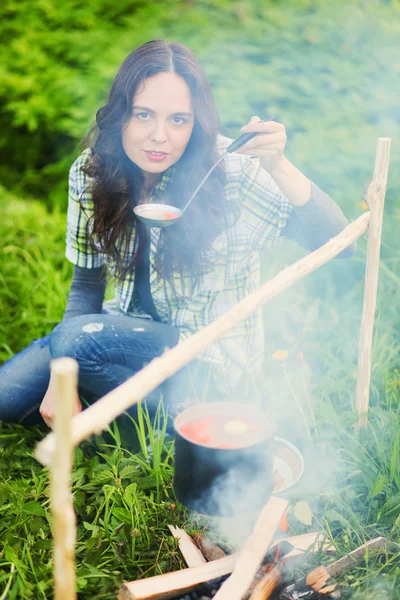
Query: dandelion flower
x=280 y=355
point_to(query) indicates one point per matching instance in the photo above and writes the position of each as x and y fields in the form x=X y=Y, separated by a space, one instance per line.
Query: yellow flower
x=363 y=205
x=280 y=355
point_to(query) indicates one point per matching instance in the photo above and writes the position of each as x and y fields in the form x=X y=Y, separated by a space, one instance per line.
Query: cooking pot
x=223 y=458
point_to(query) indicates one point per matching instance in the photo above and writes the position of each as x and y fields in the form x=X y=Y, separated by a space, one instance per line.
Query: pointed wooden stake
x=96 y=418
x=375 y=198
x=64 y=375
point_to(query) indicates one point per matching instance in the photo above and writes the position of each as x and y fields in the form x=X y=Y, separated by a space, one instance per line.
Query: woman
x=154 y=139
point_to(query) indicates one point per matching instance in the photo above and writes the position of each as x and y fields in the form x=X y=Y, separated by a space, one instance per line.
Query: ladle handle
x=234 y=146
x=246 y=137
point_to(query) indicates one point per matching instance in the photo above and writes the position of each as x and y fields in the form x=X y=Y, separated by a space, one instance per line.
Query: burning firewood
x=172 y=585
x=319 y=583
x=267 y=584
x=269 y=574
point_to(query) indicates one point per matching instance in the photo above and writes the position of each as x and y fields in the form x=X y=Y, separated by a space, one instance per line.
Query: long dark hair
x=117 y=181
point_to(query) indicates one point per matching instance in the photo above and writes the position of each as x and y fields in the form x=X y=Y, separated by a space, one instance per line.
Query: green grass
x=123 y=503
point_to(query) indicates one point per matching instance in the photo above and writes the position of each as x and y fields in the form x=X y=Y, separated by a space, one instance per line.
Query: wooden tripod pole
x=375 y=198
x=101 y=413
x=64 y=375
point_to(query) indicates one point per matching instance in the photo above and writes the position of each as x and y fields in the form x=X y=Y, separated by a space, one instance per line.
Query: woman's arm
x=294 y=185
x=86 y=297
x=312 y=224
x=315 y=217
x=89 y=282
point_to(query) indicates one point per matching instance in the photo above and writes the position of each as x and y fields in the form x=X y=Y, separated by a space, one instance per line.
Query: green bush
x=328 y=71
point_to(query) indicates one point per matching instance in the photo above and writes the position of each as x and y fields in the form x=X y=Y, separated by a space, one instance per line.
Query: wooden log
x=318 y=578
x=208 y=548
x=181 y=582
x=64 y=376
x=253 y=551
x=352 y=559
x=192 y=555
x=96 y=418
x=375 y=198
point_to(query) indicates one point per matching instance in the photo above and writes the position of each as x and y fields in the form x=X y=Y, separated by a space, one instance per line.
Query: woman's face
x=161 y=124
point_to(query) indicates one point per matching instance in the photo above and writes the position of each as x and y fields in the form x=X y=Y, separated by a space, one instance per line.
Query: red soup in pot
x=223 y=431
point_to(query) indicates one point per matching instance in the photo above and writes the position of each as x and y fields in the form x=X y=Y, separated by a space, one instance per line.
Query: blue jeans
x=109 y=349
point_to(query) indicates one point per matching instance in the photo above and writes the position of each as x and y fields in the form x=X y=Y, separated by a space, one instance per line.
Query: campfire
x=212 y=574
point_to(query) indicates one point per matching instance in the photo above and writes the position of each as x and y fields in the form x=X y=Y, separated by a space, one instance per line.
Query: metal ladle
x=162 y=215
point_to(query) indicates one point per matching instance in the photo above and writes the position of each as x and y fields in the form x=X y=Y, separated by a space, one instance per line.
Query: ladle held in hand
x=162 y=215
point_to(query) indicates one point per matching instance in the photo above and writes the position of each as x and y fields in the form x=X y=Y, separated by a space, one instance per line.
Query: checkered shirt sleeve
x=265 y=208
x=80 y=212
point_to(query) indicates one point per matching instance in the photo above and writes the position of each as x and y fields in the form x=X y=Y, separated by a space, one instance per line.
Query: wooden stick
x=192 y=556
x=95 y=418
x=64 y=376
x=372 y=547
x=375 y=197
x=320 y=576
x=181 y=582
x=254 y=550
x=210 y=550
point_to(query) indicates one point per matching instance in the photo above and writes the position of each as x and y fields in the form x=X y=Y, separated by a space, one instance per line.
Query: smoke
x=335 y=90
x=378 y=589
x=241 y=497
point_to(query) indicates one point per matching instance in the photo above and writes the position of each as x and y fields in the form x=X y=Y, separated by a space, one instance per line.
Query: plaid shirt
x=264 y=211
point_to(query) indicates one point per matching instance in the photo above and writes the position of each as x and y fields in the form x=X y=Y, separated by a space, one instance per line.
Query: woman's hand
x=269 y=145
x=47 y=407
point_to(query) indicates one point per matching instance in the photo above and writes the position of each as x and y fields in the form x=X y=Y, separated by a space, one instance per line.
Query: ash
x=305 y=595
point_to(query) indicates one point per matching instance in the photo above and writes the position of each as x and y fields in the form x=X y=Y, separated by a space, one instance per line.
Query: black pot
x=218 y=481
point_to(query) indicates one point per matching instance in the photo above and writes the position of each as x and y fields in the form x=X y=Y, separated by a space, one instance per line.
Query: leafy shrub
x=328 y=71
